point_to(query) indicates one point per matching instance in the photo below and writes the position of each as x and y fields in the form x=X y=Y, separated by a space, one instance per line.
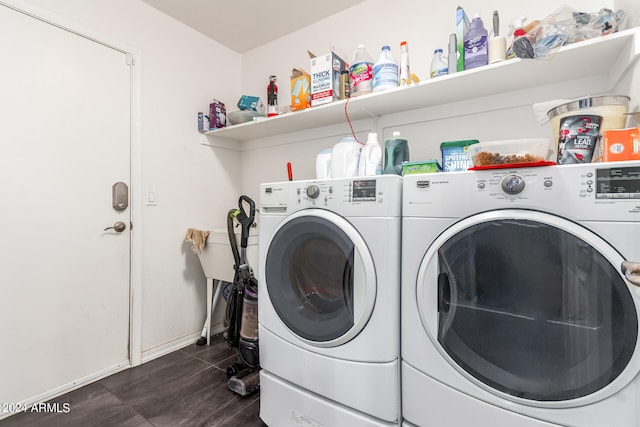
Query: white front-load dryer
x=329 y=302
x=518 y=302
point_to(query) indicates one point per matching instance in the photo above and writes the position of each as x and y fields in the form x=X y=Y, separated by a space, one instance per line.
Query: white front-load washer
x=329 y=302
x=518 y=302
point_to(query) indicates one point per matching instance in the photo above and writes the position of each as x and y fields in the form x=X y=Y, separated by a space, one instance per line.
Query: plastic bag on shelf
x=565 y=26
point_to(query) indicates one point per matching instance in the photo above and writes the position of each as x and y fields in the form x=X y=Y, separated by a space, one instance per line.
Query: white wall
x=180 y=71
x=425 y=26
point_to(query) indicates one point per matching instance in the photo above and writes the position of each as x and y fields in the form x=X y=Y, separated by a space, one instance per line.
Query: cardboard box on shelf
x=217 y=115
x=325 y=77
x=252 y=103
x=620 y=144
x=300 y=89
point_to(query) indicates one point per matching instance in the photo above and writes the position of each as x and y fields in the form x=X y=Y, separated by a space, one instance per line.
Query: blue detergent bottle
x=476 y=52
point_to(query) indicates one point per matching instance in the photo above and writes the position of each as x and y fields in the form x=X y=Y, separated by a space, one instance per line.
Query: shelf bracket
x=370 y=114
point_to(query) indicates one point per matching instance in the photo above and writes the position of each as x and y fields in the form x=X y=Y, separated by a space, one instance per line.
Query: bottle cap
x=386 y=48
x=437 y=51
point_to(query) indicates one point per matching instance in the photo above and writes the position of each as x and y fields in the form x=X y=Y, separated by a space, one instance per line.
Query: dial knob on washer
x=512 y=184
x=313 y=191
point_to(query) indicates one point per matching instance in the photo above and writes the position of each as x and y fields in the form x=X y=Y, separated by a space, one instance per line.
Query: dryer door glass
x=309 y=274
x=532 y=310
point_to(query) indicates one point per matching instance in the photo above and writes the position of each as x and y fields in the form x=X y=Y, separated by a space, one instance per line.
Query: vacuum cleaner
x=241 y=317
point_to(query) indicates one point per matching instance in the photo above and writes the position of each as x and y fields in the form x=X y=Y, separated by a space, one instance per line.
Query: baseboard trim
x=171 y=346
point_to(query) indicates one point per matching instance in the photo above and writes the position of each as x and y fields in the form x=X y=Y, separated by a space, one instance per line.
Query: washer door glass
x=320 y=278
x=533 y=308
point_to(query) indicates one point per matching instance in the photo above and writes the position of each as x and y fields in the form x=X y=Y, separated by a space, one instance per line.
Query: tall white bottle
x=385 y=71
x=371 y=157
x=405 y=69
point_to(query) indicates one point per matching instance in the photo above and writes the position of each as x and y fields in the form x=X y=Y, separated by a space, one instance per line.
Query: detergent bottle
x=396 y=151
x=476 y=52
x=371 y=157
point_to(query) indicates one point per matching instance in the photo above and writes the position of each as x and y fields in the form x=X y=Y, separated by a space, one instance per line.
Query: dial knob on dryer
x=313 y=191
x=512 y=184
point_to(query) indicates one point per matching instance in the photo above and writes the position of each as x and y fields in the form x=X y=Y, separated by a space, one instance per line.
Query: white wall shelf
x=609 y=55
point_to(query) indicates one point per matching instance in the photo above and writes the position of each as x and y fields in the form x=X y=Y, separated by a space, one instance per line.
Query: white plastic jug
x=323 y=164
x=344 y=158
x=371 y=157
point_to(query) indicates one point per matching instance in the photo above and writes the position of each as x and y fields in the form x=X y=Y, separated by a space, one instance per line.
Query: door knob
x=118 y=226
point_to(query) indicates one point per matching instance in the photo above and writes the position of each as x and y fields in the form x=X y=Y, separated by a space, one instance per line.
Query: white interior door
x=65 y=106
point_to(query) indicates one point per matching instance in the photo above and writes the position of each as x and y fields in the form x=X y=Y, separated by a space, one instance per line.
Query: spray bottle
x=272 y=97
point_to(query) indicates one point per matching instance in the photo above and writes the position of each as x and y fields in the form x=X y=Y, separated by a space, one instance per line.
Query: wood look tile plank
x=88 y=406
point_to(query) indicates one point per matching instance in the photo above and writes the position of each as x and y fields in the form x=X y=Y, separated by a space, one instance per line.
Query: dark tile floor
x=185 y=388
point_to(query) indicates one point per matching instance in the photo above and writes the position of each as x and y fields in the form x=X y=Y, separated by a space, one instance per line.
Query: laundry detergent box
x=325 y=77
x=454 y=155
x=300 y=89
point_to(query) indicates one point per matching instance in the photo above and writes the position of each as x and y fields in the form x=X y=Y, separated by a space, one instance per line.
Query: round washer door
x=530 y=307
x=320 y=277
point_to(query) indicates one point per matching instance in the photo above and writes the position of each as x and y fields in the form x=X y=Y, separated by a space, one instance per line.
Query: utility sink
x=218 y=265
x=217 y=258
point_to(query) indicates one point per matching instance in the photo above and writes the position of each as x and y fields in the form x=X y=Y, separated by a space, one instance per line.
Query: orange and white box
x=620 y=144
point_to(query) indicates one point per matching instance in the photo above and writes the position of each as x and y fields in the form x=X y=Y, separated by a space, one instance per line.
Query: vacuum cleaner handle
x=246 y=221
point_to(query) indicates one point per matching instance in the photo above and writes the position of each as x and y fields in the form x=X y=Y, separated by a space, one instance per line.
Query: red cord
x=349 y=121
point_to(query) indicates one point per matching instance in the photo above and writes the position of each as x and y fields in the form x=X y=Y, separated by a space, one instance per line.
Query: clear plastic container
x=511 y=151
x=569 y=126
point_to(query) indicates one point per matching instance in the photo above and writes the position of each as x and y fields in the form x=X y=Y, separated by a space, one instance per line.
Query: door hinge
x=130 y=60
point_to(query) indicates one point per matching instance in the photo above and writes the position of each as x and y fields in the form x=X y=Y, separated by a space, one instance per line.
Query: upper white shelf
x=609 y=55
